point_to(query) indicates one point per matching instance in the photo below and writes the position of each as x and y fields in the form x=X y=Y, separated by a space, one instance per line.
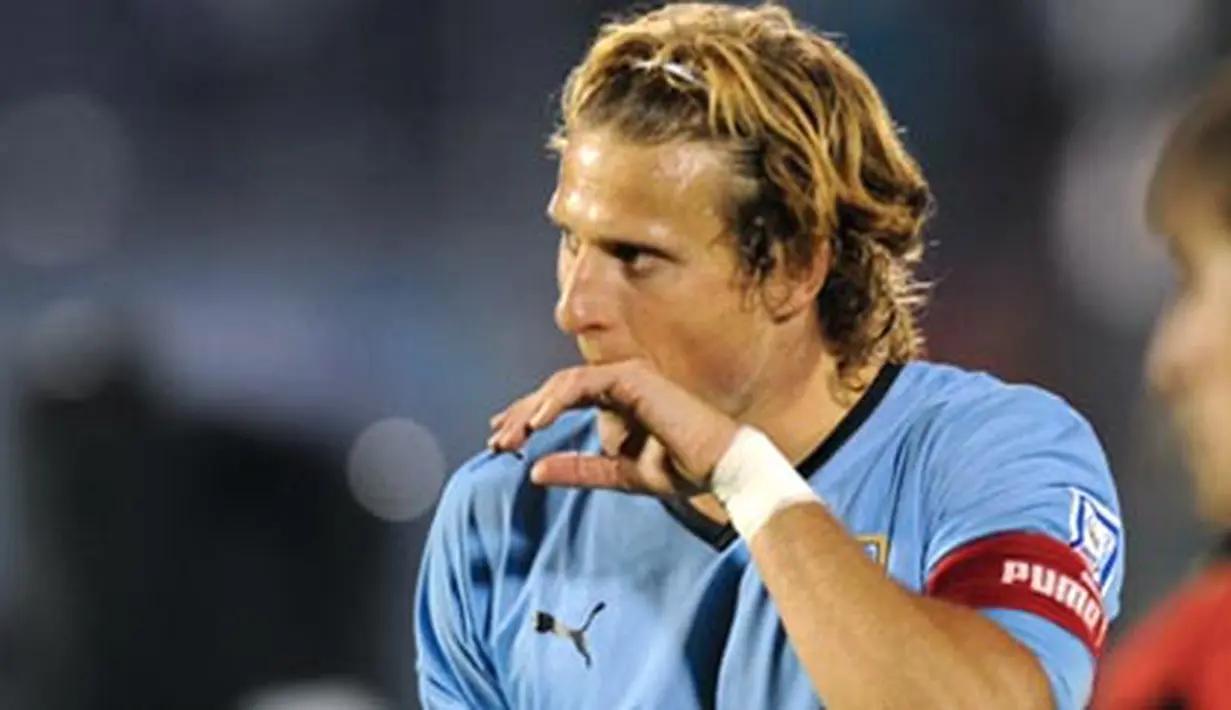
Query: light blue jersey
x=536 y=599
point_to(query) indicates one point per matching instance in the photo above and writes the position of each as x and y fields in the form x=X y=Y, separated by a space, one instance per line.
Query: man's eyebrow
x=609 y=242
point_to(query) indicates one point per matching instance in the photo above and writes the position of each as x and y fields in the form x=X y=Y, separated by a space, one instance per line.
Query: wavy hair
x=817 y=161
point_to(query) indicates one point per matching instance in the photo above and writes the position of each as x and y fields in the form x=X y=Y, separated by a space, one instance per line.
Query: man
x=827 y=518
x=1181 y=656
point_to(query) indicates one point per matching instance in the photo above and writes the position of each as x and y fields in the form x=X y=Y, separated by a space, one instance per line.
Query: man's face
x=647 y=267
x=1190 y=356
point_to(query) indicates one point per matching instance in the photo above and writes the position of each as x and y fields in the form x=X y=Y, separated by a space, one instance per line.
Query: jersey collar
x=721 y=536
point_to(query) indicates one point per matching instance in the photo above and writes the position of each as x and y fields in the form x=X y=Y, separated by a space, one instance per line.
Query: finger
x=577 y=387
x=575 y=470
x=603 y=472
x=695 y=433
x=567 y=389
x=512 y=431
x=521 y=421
x=623 y=388
x=557 y=394
x=509 y=439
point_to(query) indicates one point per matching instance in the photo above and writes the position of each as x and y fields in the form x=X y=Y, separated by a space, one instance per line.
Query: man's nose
x=585 y=303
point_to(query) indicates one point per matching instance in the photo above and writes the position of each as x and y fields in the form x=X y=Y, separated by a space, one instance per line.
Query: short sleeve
x=1024 y=525
x=454 y=668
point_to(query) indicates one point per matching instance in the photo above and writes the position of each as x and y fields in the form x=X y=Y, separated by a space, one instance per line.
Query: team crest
x=1095 y=533
x=876 y=546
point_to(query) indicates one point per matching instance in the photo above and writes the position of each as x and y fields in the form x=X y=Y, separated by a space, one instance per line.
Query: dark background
x=269 y=266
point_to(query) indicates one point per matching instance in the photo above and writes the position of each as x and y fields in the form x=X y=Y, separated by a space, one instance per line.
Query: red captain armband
x=1028 y=572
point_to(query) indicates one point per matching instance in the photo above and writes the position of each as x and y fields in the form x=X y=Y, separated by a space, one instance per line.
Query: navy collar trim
x=721 y=536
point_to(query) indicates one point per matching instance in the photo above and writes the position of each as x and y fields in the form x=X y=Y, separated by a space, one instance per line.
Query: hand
x=671 y=439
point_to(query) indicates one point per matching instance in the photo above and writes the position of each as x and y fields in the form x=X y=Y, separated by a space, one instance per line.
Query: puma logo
x=545 y=623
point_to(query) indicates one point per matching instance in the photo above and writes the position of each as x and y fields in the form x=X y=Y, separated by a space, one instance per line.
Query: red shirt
x=1179 y=657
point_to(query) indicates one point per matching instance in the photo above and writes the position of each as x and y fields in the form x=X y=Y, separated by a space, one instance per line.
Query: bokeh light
x=313 y=695
x=396 y=469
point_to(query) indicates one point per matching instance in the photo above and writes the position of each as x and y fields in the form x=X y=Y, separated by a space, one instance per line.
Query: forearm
x=866 y=642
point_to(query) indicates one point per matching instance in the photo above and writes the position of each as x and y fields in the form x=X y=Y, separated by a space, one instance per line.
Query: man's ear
x=790 y=289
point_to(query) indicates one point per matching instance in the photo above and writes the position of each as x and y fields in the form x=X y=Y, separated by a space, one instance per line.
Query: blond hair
x=817 y=160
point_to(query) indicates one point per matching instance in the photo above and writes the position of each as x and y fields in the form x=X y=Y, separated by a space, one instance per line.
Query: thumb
x=591 y=471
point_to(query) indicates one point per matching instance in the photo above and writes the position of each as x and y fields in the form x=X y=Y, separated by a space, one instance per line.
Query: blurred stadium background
x=268 y=267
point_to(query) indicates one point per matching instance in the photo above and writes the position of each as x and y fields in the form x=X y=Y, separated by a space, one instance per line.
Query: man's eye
x=628 y=254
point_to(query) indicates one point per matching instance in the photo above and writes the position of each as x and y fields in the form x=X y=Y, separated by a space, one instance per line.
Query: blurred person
x=829 y=518
x=1180 y=656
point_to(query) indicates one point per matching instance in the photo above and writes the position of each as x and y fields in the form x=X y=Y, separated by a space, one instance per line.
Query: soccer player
x=1180 y=657
x=773 y=502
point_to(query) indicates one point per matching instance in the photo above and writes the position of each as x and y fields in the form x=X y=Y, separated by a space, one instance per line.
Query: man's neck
x=801 y=406
x=804 y=402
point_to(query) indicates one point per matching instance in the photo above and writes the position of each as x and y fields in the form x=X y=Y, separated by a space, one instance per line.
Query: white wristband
x=753 y=481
